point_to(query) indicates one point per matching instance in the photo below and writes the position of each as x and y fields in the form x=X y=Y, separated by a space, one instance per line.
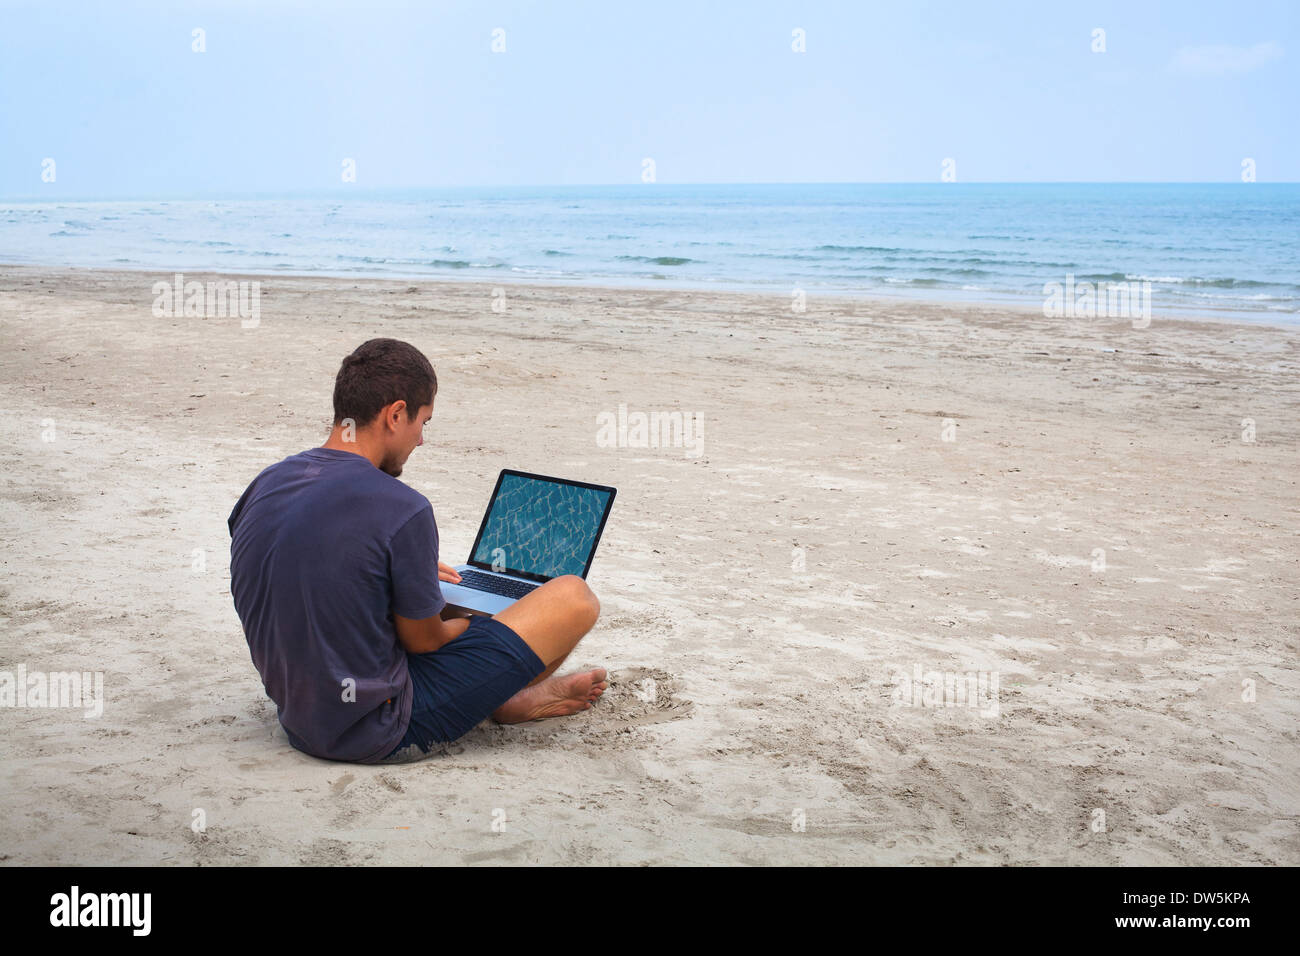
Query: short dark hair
x=378 y=373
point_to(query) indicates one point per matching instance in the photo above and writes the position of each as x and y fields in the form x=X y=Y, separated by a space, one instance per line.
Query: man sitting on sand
x=334 y=570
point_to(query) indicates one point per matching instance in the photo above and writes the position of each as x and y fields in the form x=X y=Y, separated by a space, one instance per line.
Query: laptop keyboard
x=495 y=584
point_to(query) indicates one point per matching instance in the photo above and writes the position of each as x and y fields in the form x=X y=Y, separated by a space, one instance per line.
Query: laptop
x=535 y=528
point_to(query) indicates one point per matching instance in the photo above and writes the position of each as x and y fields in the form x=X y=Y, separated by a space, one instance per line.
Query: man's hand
x=421 y=637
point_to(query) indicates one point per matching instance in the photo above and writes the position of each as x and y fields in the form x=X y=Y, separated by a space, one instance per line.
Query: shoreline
x=1021 y=304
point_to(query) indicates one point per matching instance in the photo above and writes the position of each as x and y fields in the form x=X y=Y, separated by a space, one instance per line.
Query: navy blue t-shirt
x=324 y=549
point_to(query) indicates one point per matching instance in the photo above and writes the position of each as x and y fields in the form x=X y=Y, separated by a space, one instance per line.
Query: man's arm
x=416 y=572
x=427 y=634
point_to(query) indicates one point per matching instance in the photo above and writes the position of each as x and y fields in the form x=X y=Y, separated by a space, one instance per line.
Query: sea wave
x=835 y=248
x=433 y=263
x=658 y=260
x=1218 y=283
x=1224 y=283
x=958 y=272
x=919 y=283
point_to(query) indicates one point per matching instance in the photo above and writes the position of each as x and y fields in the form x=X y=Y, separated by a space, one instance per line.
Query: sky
x=584 y=92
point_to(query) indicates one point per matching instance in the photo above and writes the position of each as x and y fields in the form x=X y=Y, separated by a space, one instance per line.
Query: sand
x=760 y=598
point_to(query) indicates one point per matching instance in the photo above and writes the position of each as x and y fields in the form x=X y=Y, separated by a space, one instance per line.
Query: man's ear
x=396 y=413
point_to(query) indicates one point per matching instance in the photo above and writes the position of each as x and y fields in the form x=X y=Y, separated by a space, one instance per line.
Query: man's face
x=404 y=438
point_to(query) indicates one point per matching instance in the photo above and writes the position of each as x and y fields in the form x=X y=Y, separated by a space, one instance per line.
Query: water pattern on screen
x=542 y=527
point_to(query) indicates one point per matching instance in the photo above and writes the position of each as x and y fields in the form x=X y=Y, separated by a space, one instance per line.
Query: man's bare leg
x=551 y=620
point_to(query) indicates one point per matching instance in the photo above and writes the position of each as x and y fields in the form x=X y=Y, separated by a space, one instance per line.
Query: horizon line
x=340 y=191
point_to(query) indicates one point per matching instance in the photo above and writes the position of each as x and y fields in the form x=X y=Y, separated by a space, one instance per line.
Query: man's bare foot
x=557 y=696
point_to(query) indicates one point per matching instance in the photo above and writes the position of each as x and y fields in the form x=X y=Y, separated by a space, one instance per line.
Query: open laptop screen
x=541 y=528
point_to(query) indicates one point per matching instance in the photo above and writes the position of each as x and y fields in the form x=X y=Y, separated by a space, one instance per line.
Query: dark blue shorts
x=460 y=684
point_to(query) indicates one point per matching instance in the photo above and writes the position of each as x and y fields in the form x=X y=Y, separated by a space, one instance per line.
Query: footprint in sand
x=636 y=696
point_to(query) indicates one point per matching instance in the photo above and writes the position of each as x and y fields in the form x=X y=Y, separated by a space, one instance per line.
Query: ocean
x=1206 y=249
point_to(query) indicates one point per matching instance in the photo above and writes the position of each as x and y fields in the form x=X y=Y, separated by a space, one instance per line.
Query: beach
x=1095 y=525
